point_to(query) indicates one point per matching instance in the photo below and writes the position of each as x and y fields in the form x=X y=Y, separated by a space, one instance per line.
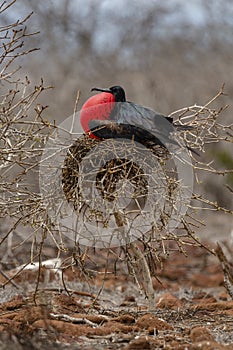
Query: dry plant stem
x=227 y=270
x=103 y=281
x=141 y=261
x=23 y=135
x=149 y=290
x=75 y=110
x=229 y=188
x=75 y=320
x=40 y=265
x=8 y=279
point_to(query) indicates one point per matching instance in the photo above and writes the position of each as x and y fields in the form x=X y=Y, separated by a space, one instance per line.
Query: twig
x=227 y=270
x=9 y=280
x=141 y=261
x=67 y=318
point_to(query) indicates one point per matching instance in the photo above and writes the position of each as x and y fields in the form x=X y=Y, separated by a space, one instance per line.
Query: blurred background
x=167 y=55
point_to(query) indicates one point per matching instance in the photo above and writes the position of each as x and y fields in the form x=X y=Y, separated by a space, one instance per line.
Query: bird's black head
x=117 y=91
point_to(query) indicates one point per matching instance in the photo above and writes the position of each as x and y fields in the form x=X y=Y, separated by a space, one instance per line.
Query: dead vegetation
x=25 y=132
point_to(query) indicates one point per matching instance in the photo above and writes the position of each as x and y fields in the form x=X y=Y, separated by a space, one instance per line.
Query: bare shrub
x=25 y=132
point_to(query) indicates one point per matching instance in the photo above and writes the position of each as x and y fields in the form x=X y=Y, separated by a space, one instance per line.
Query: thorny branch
x=24 y=132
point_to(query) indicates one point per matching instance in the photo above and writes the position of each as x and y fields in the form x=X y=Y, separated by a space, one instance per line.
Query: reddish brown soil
x=193 y=311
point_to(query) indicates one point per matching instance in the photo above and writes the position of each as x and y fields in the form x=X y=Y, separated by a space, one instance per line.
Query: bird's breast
x=98 y=107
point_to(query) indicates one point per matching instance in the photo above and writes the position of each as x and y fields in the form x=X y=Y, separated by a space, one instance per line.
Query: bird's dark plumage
x=132 y=121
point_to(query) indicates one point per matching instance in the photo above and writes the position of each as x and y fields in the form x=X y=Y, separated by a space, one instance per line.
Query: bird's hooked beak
x=102 y=90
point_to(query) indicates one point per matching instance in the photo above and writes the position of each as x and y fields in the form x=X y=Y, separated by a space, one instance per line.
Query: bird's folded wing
x=106 y=129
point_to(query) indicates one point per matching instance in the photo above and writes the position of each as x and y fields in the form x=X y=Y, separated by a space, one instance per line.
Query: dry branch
x=23 y=136
x=227 y=268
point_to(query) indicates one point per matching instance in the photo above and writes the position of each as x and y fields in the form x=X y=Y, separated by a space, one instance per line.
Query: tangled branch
x=23 y=136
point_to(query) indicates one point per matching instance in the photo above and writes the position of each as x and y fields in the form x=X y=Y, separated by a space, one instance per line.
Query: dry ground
x=193 y=311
